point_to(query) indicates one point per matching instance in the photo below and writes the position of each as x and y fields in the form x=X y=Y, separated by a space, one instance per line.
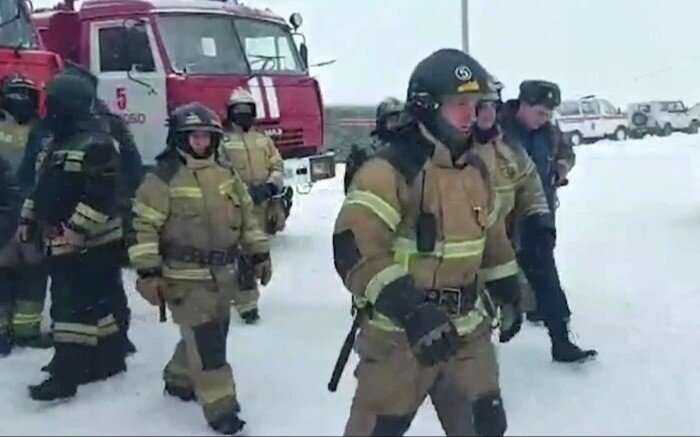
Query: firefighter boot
x=250 y=317
x=41 y=341
x=227 y=424
x=563 y=349
x=182 y=393
x=69 y=363
x=53 y=388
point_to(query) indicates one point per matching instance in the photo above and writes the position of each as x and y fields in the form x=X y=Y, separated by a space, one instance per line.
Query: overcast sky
x=624 y=50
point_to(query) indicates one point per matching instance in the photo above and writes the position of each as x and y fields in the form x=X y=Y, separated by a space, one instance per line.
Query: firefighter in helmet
x=419 y=222
x=193 y=217
x=22 y=269
x=256 y=159
x=76 y=205
x=386 y=125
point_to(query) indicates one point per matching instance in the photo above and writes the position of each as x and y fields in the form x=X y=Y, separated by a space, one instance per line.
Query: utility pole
x=465 y=26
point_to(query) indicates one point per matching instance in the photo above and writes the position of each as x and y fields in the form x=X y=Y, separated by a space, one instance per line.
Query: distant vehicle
x=662 y=118
x=694 y=111
x=589 y=119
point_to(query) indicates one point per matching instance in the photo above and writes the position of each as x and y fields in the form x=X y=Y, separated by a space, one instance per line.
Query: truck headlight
x=322 y=167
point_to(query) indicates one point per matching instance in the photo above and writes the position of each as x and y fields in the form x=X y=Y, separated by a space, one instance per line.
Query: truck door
x=610 y=120
x=590 y=119
x=132 y=80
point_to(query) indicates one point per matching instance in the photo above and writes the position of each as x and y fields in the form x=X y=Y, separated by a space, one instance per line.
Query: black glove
x=506 y=292
x=261 y=192
x=511 y=320
x=429 y=330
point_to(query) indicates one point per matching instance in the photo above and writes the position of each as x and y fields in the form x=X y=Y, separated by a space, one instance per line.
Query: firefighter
x=514 y=176
x=526 y=121
x=193 y=217
x=258 y=162
x=386 y=123
x=417 y=224
x=23 y=274
x=130 y=177
x=75 y=202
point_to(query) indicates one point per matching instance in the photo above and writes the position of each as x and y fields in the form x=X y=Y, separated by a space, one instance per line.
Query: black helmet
x=69 y=94
x=78 y=70
x=193 y=117
x=20 y=97
x=446 y=72
x=540 y=92
x=69 y=101
x=391 y=106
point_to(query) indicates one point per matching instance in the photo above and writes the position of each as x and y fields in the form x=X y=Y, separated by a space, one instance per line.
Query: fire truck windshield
x=269 y=47
x=15 y=27
x=209 y=44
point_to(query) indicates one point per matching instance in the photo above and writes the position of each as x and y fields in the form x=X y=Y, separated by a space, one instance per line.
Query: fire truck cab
x=151 y=56
x=21 y=50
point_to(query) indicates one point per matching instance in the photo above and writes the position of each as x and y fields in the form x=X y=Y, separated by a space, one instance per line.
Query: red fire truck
x=21 y=49
x=153 y=55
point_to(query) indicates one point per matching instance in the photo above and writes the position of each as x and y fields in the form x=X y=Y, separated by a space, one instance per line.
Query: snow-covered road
x=629 y=256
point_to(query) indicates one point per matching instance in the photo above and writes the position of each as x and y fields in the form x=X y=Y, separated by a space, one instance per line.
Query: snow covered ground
x=628 y=250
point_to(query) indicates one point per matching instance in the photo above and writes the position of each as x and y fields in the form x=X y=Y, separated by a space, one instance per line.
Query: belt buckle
x=218 y=257
x=451 y=300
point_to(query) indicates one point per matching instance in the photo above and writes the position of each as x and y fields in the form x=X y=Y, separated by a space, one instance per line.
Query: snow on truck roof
x=110 y=8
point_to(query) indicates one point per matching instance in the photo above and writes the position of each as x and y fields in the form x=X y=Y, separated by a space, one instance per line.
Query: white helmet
x=241 y=100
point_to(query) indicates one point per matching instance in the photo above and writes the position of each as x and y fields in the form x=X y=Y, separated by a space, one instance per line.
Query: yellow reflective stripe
x=72 y=166
x=73 y=338
x=496 y=208
x=192 y=192
x=25 y=318
x=226 y=187
x=405 y=247
x=382 y=322
x=214 y=393
x=464 y=249
x=465 y=324
x=468 y=323
x=382 y=279
x=27 y=211
x=76 y=328
x=234 y=145
x=138 y=250
x=91 y=213
x=75 y=155
x=243 y=308
x=187 y=274
x=377 y=205
x=505 y=188
x=107 y=326
x=107 y=320
x=149 y=214
x=499 y=272
x=537 y=208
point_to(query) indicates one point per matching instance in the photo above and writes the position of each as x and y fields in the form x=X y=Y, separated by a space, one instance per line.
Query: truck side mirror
x=304 y=52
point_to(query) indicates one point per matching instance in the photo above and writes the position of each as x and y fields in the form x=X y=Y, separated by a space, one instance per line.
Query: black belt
x=455 y=301
x=189 y=254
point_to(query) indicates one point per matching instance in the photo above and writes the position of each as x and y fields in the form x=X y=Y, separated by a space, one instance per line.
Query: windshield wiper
x=11 y=20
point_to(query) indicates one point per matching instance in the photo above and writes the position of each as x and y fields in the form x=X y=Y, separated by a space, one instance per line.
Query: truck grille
x=290 y=138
